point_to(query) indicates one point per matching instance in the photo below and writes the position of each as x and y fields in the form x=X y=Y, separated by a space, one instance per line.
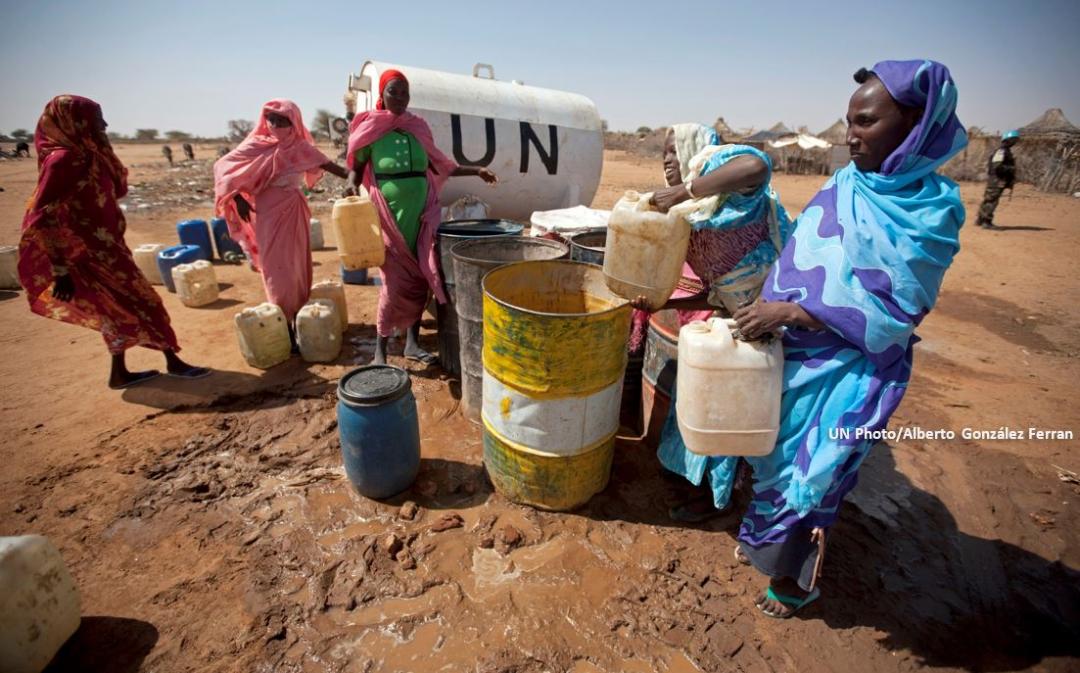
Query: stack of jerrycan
x=264 y=335
x=335 y=292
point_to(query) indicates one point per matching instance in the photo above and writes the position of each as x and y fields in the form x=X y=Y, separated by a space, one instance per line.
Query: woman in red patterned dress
x=73 y=261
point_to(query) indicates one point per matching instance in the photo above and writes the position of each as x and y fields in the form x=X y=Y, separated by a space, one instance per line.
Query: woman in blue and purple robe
x=861 y=271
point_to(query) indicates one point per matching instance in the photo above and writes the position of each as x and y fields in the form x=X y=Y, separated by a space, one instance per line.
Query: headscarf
x=69 y=123
x=265 y=154
x=689 y=140
x=385 y=79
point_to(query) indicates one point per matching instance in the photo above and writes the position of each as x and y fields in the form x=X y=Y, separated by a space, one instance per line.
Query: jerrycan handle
x=643 y=203
x=721 y=327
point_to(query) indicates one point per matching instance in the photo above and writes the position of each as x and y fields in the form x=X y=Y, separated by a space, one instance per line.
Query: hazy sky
x=192 y=65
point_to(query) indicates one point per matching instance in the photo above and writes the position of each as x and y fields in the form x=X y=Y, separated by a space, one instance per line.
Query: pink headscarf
x=366 y=128
x=264 y=155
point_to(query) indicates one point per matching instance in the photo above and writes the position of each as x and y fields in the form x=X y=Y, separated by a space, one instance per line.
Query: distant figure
x=73 y=260
x=167 y=151
x=22 y=149
x=222 y=151
x=189 y=151
x=1001 y=175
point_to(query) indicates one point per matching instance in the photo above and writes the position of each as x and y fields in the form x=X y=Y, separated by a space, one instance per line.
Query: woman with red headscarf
x=257 y=191
x=392 y=152
x=73 y=261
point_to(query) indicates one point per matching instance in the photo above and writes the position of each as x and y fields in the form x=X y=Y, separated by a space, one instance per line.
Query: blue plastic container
x=357 y=277
x=379 y=431
x=195 y=232
x=174 y=256
x=222 y=241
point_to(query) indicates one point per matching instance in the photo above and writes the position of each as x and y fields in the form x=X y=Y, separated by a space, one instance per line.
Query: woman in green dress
x=392 y=153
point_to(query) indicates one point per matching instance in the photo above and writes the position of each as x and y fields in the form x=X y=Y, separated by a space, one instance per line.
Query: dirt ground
x=209 y=525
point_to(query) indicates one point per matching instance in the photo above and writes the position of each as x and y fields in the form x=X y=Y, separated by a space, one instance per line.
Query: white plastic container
x=9 y=267
x=264 y=335
x=317 y=241
x=727 y=391
x=146 y=259
x=196 y=283
x=318 y=331
x=39 y=603
x=546 y=145
x=335 y=292
x=645 y=250
x=358 y=232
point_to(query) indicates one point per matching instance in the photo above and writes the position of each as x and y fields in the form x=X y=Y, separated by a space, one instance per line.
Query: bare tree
x=240 y=128
x=320 y=125
x=177 y=136
x=20 y=134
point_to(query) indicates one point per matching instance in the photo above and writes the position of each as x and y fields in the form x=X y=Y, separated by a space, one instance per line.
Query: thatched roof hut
x=1051 y=122
x=1048 y=154
x=835 y=134
x=724 y=131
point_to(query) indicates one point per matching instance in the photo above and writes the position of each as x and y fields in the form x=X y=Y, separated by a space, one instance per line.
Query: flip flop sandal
x=142 y=377
x=192 y=373
x=795 y=604
x=425 y=359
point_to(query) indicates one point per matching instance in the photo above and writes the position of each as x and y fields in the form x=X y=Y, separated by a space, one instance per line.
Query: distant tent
x=1052 y=121
x=835 y=134
x=805 y=141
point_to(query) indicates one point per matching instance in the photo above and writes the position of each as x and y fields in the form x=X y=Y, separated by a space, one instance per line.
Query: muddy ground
x=210 y=527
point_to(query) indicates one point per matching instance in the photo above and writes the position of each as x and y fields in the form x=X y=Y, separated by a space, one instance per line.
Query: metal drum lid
x=373 y=384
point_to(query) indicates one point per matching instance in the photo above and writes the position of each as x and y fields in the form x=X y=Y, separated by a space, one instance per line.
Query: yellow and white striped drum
x=554 y=357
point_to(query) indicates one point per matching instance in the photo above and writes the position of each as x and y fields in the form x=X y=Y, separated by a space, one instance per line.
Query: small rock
x=487 y=541
x=447 y=521
x=485 y=524
x=408 y=510
x=20 y=508
x=405 y=559
x=423 y=549
x=391 y=544
x=508 y=538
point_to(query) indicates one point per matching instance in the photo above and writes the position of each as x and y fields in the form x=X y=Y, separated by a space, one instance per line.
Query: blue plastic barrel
x=222 y=240
x=379 y=431
x=195 y=232
x=174 y=256
x=356 y=277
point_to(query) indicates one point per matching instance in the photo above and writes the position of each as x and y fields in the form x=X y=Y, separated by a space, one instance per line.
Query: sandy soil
x=209 y=526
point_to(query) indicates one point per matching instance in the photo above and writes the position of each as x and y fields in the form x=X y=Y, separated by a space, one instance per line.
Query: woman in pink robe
x=257 y=189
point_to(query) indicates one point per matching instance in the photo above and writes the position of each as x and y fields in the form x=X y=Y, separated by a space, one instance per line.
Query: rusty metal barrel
x=472 y=260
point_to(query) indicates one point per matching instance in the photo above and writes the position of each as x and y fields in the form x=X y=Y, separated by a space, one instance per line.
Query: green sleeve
x=362 y=155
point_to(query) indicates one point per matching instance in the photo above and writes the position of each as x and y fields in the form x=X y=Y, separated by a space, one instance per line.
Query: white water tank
x=546 y=146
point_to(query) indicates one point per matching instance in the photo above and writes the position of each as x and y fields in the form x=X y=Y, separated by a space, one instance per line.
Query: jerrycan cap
x=373 y=384
x=699 y=327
